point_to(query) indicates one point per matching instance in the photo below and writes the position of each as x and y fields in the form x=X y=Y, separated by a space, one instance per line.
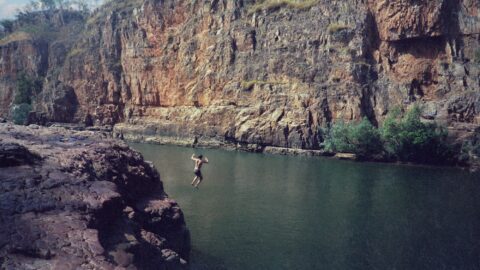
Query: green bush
x=24 y=90
x=26 y=86
x=403 y=136
x=20 y=113
x=362 y=139
x=477 y=56
x=470 y=150
x=337 y=138
x=407 y=138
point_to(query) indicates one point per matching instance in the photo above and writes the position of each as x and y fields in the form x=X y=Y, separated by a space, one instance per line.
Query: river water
x=258 y=211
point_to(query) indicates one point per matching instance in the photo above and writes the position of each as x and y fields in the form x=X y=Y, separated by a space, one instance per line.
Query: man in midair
x=199 y=161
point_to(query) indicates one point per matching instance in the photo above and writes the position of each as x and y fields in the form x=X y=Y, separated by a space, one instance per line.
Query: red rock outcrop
x=75 y=200
x=221 y=72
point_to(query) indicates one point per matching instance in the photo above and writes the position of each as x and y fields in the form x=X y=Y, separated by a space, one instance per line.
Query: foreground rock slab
x=78 y=200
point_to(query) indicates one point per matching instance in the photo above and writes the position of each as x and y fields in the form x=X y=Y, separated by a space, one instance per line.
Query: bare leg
x=200 y=179
x=194 y=179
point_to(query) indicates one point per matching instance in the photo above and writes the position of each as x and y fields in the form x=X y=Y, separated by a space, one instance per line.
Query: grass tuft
x=248 y=85
x=15 y=36
x=274 y=4
x=337 y=27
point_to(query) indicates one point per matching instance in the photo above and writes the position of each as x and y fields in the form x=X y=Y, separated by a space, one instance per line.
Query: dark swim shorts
x=198 y=173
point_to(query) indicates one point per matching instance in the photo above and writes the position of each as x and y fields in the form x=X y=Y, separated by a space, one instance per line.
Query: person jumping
x=199 y=161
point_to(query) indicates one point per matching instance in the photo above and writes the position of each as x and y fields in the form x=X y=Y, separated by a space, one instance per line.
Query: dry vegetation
x=248 y=85
x=337 y=27
x=273 y=4
x=16 y=36
x=113 y=6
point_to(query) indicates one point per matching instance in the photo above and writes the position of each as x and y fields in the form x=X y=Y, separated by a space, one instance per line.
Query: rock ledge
x=78 y=200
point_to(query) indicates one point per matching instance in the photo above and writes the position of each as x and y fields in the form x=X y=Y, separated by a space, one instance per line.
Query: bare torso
x=198 y=164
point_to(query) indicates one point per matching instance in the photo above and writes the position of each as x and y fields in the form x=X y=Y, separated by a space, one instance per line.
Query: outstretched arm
x=193 y=157
x=206 y=160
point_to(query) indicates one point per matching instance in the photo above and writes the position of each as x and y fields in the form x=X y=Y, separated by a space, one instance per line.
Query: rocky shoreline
x=143 y=135
x=146 y=134
x=78 y=199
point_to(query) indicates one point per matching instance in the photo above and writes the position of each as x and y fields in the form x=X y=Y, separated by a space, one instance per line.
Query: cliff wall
x=251 y=72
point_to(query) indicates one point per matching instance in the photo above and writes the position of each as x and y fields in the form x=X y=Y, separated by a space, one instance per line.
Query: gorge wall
x=252 y=72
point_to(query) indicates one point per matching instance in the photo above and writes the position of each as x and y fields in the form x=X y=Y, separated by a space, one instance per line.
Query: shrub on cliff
x=407 y=138
x=477 y=56
x=24 y=90
x=361 y=138
x=26 y=87
x=20 y=113
x=470 y=151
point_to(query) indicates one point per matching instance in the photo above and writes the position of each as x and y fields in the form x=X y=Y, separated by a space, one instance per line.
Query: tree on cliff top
x=42 y=19
x=61 y=5
x=7 y=25
x=49 y=4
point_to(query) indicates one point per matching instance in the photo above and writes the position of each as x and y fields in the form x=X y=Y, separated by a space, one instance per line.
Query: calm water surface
x=274 y=212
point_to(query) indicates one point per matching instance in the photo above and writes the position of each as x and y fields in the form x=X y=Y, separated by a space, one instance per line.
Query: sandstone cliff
x=75 y=200
x=254 y=73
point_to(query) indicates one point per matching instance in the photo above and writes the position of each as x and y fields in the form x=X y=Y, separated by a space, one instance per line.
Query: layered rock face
x=430 y=52
x=38 y=48
x=75 y=200
x=270 y=76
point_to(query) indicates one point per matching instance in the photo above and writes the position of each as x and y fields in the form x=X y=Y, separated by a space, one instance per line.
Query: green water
x=275 y=212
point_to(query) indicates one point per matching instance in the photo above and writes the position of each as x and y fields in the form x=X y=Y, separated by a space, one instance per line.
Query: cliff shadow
x=200 y=260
